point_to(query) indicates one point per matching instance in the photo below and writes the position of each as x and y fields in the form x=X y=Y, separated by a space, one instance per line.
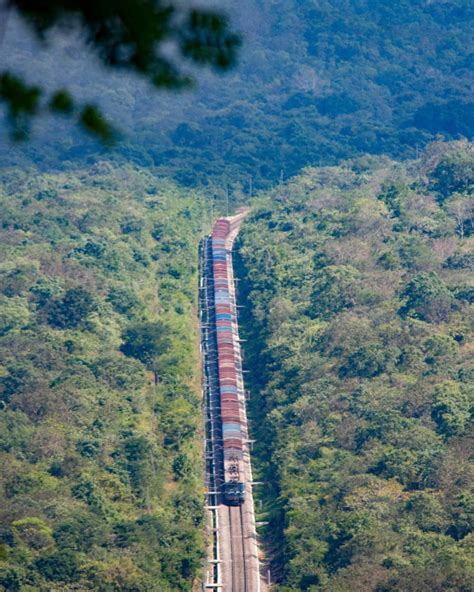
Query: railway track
x=239 y=570
x=233 y=563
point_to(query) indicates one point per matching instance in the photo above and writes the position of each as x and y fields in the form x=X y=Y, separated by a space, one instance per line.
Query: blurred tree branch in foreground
x=138 y=36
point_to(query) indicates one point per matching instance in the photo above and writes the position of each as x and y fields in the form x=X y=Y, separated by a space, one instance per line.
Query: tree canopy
x=359 y=340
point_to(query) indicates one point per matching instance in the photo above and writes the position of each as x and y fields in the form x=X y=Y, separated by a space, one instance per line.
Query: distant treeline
x=318 y=81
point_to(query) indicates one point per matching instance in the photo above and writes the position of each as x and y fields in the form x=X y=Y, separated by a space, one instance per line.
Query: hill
x=100 y=445
x=318 y=82
x=357 y=289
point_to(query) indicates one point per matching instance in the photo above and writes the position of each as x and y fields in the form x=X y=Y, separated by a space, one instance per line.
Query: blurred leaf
x=92 y=120
x=61 y=102
x=22 y=103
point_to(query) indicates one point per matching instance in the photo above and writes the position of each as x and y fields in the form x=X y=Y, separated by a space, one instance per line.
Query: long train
x=234 y=487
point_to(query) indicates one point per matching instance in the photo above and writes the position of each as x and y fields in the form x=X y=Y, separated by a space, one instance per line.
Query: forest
x=317 y=81
x=100 y=445
x=347 y=127
x=356 y=285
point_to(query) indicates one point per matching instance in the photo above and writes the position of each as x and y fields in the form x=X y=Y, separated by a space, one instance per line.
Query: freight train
x=228 y=366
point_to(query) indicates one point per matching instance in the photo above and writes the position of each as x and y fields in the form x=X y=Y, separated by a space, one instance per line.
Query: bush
x=33 y=532
x=454 y=173
x=440 y=350
x=10 y=579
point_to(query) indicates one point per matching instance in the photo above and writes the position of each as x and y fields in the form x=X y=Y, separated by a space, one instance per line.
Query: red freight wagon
x=228 y=382
x=226 y=375
x=231 y=416
x=233 y=443
x=231 y=402
x=230 y=405
x=230 y=397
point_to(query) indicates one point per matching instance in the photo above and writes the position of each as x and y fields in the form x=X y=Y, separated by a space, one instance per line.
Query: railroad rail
x=233 y=559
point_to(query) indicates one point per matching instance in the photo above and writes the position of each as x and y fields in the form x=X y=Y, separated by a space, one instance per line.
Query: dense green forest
x=317 y=81
x=355 y=278
x=357 y=288
x=100 y=442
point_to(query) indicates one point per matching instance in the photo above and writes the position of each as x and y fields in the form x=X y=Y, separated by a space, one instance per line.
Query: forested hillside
x=357 y=288
x=100 y=442
x=318 y=81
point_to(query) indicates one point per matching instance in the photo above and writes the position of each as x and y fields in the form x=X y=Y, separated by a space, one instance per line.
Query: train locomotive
x=233 y=488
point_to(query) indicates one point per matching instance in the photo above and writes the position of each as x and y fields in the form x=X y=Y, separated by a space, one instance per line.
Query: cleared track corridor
x=233 y=556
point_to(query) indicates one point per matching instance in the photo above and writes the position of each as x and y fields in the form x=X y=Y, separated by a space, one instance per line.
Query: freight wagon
x=234 y=487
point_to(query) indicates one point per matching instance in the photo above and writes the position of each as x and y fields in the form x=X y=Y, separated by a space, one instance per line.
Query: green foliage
x=93 y=453
x=72 y=309
x=450 y=409
x=368 y=361
x=32 y=532
x=62 y=102
x=454 y=174
x=146 y=341
x=427 y=298
x=10 y=579
x=92 y=120
x=22 y=101
x=361 y=359
x=14 y=314
x=123 y=299
x=61 y=566
x=333 y=290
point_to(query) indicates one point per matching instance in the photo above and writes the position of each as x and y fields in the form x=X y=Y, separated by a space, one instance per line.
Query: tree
x=61 y=566
x=14 y=313
x=427 y=298
x=146 y=341
x=133 y=35
x=450 y=409
x=461 y=207
x=454 y=173
x=72 y=309
x=334 y=290
x=33 y=533
x=367 y=361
